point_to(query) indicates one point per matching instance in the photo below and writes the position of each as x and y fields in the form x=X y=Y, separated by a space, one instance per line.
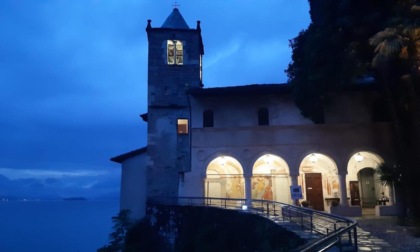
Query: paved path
x=383 y=234
x=373 y=233
x=369 y=242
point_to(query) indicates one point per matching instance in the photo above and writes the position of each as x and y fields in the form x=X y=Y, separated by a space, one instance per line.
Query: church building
x=250 y=141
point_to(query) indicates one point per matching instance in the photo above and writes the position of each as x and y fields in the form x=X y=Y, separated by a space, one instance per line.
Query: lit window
x=263 y=116
x=175 y=52
x=182 y=126
x=208 y=118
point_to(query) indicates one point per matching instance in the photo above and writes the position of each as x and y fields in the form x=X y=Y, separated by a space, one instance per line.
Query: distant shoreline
x=75 y=198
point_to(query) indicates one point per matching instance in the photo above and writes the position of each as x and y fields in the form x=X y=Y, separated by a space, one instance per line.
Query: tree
x=333 y=51
x=122 y=223
x=388 y=175
x=336 y=49
x=397 y=61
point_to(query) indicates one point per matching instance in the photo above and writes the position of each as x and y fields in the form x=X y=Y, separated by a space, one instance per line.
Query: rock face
x=187 y=228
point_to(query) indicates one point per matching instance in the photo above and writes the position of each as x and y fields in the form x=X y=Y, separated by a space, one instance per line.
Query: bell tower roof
x=175 y=21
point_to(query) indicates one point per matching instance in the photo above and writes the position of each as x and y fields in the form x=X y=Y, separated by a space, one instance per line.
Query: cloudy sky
x=73 y=80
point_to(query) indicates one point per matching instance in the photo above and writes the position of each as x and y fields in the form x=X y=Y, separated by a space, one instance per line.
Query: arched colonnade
x=269 y=177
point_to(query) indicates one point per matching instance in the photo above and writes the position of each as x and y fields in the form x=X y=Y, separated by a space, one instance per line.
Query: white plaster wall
x=349 y=127
x=133 y=186
x=242 y=111
x=282 y=194
x=292 y=143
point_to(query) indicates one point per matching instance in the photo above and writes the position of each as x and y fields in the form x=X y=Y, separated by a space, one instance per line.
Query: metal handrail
x=328 y=229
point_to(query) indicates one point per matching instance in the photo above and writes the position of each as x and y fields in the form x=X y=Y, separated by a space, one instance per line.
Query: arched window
x=175 y=52
x=263 y=116
x=208 y=118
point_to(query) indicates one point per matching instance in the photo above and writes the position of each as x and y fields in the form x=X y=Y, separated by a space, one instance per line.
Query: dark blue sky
x=73 y=79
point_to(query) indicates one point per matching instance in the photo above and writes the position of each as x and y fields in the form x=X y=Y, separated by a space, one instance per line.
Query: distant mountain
x=56 y=189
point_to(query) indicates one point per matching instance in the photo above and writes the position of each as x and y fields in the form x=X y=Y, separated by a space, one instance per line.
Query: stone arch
x=224 y=178
x=318 y=176
x=270 y=179
x=362 y=159
x=364 y=188
x=208 y=158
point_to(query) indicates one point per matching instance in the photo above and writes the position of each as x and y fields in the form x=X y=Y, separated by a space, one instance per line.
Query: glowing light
x=359 y=158
x=244 y=207
x=222 y=161
x=267 y=159
x=313 y=158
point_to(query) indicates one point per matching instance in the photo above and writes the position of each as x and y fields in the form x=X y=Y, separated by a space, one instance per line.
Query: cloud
x=46 y=184
x=31 y=173
x=73 y=78
x=223 y=52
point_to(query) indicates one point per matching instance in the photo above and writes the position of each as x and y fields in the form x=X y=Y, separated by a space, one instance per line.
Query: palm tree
x=397 y=56
x=389 y=175
x=397 y=49
x=389 y=46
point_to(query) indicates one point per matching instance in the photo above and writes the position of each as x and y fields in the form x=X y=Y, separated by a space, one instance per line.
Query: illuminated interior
x=270 y=180
x=360 y=165
x=182 y=126
x=175 y=52
x=224 y=178
x=323 y=167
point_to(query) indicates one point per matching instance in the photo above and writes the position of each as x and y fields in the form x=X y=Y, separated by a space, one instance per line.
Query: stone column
x=391 y=194
x=343 y=190
x=248 y=189
x=294 y=182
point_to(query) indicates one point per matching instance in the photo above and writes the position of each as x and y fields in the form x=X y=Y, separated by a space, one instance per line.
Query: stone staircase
x=311 y=236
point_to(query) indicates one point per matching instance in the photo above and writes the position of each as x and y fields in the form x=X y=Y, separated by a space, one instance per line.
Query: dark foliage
x=351 y=39
x=122 y=223
x=145 y=237
x=333 y=51
x=209 y=229
x=389 y=174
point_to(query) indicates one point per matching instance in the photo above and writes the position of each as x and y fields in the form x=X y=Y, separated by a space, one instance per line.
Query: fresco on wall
x=331 y=185
x=262 y=188
x=235 y=188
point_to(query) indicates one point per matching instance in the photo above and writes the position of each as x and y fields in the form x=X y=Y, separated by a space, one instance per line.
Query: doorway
x=367 y=187
x=314 y=192
x=354 y=193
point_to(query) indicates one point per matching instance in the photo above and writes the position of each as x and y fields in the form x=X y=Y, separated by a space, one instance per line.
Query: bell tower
x=174 y=66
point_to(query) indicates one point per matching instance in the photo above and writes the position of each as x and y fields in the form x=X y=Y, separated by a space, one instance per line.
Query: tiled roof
x=255 y=89
x=175 y=21
x=121 y=158
x=264 y=89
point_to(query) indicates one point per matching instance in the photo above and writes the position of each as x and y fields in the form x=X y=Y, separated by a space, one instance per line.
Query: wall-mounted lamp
x=359 y=158
x=267 y=159
x=222 y=161
x=313 y=158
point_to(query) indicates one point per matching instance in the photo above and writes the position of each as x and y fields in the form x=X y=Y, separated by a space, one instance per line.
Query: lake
x=72 y=225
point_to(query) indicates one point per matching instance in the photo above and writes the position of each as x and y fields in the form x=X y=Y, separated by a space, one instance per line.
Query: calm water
x=55 y=225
